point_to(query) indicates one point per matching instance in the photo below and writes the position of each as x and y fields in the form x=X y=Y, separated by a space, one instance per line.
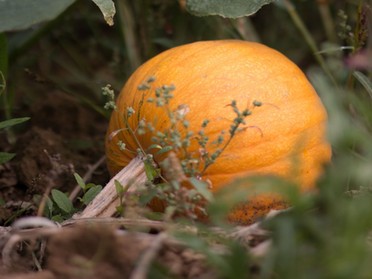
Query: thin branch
x=144 y=264
x=126 y=222
x=87 y=176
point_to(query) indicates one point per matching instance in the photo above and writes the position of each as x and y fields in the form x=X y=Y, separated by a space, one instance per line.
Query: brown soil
x=63 y=137
x=101 y=252
x=66 y=135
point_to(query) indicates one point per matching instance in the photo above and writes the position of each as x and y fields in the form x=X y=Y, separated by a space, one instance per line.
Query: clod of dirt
x=98 y=252
x=8 y=190
x=40 y=162
x=94 y=252
x=7 y=176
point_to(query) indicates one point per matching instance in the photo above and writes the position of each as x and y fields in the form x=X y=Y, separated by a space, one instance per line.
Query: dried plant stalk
x=106 y=202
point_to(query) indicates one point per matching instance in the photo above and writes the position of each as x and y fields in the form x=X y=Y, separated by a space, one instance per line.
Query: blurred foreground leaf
x=21 y=14
x=225 y=8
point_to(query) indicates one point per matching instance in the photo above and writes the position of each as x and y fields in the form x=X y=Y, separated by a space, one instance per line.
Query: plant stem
x=308 y=38
x=128 y=30
x=4 y=63
x=104 y=204
x=246 y=29
x=323 y=6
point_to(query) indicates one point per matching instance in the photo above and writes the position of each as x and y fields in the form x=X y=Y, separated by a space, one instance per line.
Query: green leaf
x=2 y=83
x=89 y=185
x=365 y=81
x=21 y=14
x=119 y=188
x=48 y=210
x=154 y=146
x=80 y=181
x=62 y=201
x=202 y=188
x=225 y=8
x=151 y=171
x=58 y=218
x=199 y=244
x=165 y=149
x=107 y=8
x=148 y=196
x=12 y=122
x=91 y=194
x=5 y=157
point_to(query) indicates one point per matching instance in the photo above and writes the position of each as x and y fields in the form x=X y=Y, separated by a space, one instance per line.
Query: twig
x=326 y=16
x=33 y=222
x=40 y=210
x=6 y=253
x=36 y=261
x=308 y=38
x=246 y=29
x=143 y=266
x=126 y=222
x=20 y=232
x=57 y=169
x=128 y=30
x=86 y=177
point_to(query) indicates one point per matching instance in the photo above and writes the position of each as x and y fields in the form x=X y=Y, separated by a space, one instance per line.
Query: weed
x=182 y=166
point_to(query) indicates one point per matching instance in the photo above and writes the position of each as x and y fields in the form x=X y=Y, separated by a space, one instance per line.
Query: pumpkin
x=285 y=136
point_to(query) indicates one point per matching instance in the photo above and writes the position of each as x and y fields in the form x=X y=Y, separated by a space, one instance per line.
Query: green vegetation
x=326 y=234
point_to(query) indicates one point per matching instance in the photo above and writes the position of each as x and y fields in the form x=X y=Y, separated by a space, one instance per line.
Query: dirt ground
x=63 y=137
x=46 y=157
x=65 y=134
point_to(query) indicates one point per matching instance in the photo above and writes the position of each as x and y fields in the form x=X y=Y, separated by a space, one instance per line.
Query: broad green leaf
x=80 y=181
x=12 y=122
x=91 y=194
x=225 y=8
x=89 y=185
x=62 y=201
x=22 y=14
x=5 y=157
x=107 y=8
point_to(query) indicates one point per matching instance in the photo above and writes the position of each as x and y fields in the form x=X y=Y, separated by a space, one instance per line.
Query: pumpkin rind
x=288 y=127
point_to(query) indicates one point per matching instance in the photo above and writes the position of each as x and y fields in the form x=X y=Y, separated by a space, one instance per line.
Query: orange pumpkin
x=289 y=126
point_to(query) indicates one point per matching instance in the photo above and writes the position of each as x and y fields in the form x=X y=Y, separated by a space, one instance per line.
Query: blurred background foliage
x=327 y=235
